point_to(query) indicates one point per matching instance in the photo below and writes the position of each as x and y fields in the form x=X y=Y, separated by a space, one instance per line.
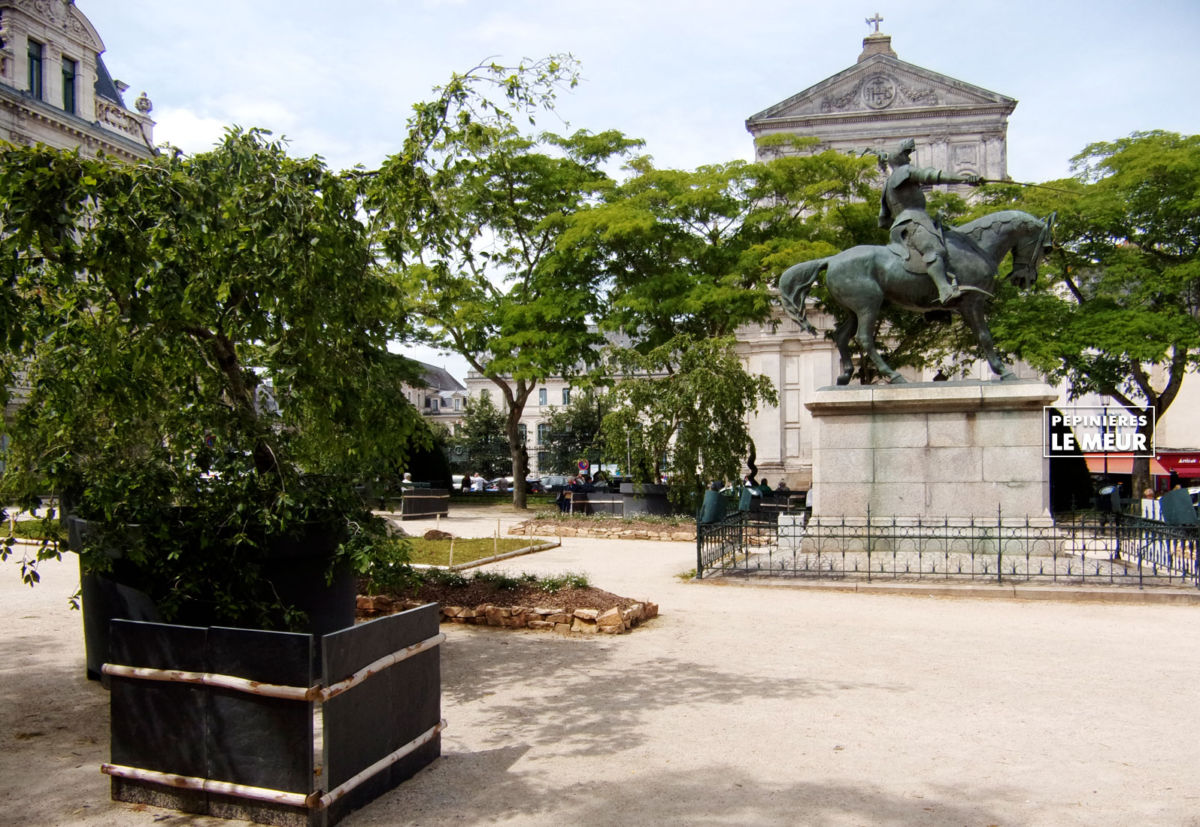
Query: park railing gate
x=1088 y=548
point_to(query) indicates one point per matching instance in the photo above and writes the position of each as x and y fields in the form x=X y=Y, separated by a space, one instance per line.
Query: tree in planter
x=1119 y=314
x=470 y=216
x=206 y=342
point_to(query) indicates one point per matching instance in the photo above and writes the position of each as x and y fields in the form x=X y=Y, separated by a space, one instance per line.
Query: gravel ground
x=738 y=705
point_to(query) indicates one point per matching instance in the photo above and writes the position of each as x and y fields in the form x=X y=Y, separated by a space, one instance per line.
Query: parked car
x=533 y=485
x=554 y=482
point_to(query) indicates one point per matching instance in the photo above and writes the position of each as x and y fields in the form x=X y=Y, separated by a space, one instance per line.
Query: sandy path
x=736 y=706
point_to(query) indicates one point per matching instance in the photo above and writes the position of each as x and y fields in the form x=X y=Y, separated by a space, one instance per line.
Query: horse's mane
x=990 y=223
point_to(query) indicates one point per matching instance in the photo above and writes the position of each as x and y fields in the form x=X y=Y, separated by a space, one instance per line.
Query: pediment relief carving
x=63 y=16
x=880 y=84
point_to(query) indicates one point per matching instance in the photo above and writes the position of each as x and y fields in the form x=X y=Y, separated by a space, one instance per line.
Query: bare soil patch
x=477 y=593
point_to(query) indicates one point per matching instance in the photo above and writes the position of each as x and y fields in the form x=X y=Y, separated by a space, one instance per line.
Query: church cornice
x=893 y=115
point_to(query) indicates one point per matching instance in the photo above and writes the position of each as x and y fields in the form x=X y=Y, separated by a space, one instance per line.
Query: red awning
x=1183 y=463
x=1123 y=464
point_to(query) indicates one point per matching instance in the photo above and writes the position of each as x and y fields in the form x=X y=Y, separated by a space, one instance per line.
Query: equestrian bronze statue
x=926 y=267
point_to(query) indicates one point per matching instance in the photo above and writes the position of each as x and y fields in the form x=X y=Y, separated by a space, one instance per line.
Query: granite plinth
x=931 y=450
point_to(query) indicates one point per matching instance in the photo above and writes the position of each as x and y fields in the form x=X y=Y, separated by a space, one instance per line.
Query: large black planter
x=297 y=569
x=275 y=727
x=645 y=499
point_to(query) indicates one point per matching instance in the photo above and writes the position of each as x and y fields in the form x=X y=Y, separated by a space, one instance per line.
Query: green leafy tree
x=687 y=258
x=681 y=411
x=575 y=433
x=1119 y=314
x=479 y=443
x=471 y=218
x=205 y=338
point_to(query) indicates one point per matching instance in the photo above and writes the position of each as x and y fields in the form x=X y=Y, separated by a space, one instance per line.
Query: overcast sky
x=338 y=78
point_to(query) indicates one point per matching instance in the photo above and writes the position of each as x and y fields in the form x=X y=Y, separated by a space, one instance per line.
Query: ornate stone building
x=875 y=103
x=55 y=88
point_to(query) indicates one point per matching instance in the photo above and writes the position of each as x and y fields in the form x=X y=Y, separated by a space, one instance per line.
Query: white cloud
x=186 y=129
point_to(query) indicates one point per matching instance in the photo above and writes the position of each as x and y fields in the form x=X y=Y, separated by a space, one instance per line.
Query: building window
x=542 y=397
x=35 y=68
x=543 y=434
x=522 y=433
x=485 y=395
x=566 y=396
x=457 y=404
x=433 y=405
x=69 y=69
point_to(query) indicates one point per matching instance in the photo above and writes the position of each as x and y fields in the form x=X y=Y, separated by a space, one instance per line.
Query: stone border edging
x=583 y=622
x=598 y=530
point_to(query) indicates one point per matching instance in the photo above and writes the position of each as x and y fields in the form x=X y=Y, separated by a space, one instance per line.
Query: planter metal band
x=312 y=801
x=325 y=693
x=290 y=693
x=187 y=782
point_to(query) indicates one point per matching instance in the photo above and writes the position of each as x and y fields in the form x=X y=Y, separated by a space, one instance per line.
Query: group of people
x=1174 y=506
x=581 y=483
x=712 y=507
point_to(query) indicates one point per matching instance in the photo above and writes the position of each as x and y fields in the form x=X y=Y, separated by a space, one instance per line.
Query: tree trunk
x=1141 y=465
x=519 y=456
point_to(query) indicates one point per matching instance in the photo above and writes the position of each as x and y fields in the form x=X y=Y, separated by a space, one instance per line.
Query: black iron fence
x=1088 y=548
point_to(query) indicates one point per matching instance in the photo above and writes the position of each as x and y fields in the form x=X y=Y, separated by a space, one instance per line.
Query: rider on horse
x=916 y=237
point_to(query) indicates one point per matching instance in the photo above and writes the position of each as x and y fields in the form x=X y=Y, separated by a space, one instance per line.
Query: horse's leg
x=842 y=336
x=867 y=318
x=972 y=310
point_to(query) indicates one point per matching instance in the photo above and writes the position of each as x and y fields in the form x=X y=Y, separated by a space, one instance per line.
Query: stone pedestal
x=931 y=450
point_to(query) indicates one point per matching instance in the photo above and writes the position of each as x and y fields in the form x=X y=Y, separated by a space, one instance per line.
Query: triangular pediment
x=880 y=84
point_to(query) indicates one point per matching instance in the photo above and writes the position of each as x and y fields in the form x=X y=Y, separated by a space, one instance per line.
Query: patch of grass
x=466 y=550
x=685 y=576
x=40 y=530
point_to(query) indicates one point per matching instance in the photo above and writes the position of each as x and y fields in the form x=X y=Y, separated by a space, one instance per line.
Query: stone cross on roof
x=876 y=20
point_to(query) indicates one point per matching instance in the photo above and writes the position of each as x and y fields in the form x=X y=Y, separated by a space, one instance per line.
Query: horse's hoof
x=1008 y=376
x=897 y=380
x=843 y=380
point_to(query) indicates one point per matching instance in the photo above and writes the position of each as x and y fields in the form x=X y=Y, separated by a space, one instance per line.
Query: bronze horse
x=862 y=278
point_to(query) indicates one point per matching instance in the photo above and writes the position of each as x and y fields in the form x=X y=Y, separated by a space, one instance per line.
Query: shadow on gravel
x=479 y=789
x=584 y=700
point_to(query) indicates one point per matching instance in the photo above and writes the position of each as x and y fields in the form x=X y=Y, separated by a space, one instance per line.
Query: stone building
x=440 y=397
x=554 y=392
x=55 y=88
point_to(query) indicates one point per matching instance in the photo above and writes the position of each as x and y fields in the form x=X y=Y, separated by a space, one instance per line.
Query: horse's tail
x=794 y=285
